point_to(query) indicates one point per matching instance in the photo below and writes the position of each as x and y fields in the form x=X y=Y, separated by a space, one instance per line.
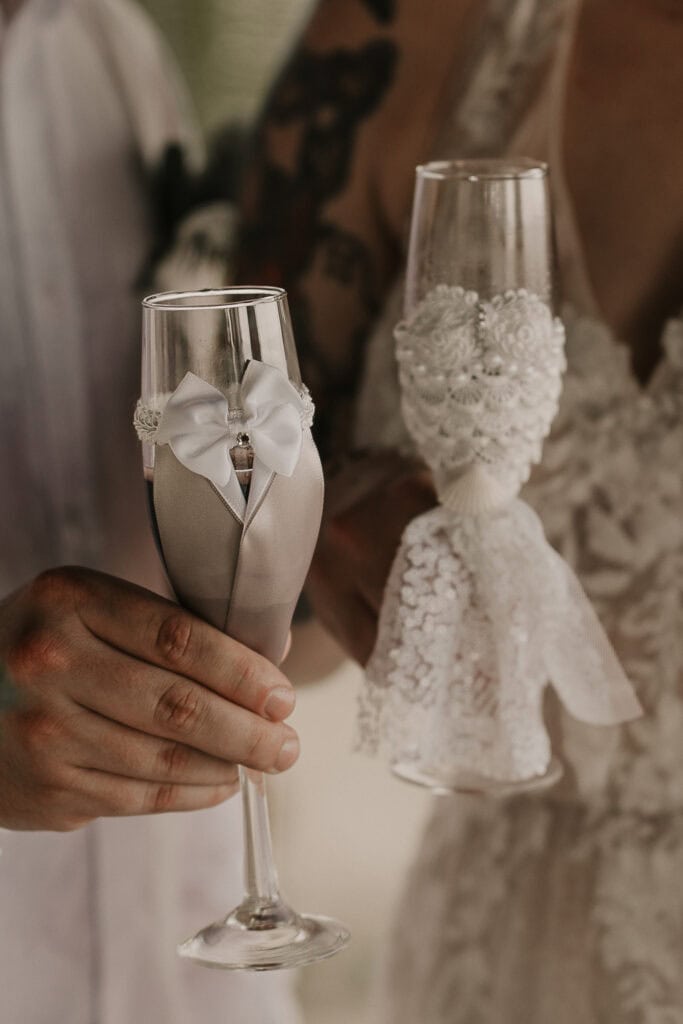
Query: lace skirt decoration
x=480 y=613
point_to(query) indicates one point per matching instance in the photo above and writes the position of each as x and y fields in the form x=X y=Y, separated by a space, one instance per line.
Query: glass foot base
x=265 y=939
x=471 y=782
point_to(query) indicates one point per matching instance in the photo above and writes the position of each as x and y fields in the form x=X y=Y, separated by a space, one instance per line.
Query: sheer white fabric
x=480 y=614
x=568 y=907
x=89 y=920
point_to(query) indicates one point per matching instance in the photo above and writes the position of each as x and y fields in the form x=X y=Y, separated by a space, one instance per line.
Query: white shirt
x=89 y=920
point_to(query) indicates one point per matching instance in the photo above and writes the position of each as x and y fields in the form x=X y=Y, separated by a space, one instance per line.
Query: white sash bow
x=201 y=428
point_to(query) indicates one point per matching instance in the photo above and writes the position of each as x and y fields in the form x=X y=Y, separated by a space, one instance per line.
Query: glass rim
x=251 y=295
x=487 y=169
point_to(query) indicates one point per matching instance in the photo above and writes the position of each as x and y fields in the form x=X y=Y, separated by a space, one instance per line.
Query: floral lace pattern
x=538 y=911
x=577 y=894
x=432 y=698
x=480 y=613
x=480 y=382
x=565 y=908
x=610 y=491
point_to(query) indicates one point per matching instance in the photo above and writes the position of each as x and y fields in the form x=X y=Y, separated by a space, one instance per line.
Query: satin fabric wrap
x=243 y=577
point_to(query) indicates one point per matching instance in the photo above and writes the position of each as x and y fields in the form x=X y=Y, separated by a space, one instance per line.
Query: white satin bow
x=197 y=426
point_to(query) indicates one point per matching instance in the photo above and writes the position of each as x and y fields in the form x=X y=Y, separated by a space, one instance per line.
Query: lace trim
x=146 y=418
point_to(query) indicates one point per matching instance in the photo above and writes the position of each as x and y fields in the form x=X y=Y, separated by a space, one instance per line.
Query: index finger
x=161 y=633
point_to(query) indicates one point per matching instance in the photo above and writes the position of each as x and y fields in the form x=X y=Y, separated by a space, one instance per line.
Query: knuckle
x=117 y=801
x=38 y=731
x=162 y=797
x=60 y=585
x=260 y=748
x=54 y=773
x=174 y=637
x=38 y=651
x=244 y=675
x=174 y=760
x=180 y=708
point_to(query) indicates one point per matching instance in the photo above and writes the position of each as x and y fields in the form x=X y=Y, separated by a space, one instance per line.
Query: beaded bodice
x=480 y=382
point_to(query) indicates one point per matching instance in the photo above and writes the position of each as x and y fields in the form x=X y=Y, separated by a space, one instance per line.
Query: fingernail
x=289 y=751
x=279 y=704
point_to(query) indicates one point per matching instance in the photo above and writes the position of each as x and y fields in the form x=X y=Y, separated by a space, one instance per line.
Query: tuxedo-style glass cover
x=215 y=335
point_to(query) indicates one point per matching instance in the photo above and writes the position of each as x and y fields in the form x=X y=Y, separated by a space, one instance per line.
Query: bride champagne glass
x=235 y=490
x=483 y=227
x=480 y=614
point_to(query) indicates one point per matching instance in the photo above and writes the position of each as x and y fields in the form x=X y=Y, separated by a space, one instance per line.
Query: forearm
x=330 y=180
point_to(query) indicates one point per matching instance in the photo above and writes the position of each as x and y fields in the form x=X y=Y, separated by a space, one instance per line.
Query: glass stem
x=260 y=876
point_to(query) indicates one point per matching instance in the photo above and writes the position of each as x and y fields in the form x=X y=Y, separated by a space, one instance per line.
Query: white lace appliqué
x=480 y=386
x=480 y=613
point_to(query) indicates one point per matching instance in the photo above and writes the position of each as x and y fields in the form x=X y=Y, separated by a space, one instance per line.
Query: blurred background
x=228 y=49
x=344 y=829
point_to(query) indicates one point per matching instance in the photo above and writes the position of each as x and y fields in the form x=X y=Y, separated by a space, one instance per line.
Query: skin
x=10 y=7
x=368 y=505
x=340 y=252
x=624 y=111
x=126 y=704
x=623 y=163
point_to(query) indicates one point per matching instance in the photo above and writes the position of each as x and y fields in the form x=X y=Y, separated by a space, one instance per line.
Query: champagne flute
x=482 y=227
x=255 y=535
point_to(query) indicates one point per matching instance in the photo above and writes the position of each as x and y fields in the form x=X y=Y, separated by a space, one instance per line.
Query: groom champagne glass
x=236 y=495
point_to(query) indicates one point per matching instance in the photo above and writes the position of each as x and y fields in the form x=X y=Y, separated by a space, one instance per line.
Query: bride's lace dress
x=567 y=907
